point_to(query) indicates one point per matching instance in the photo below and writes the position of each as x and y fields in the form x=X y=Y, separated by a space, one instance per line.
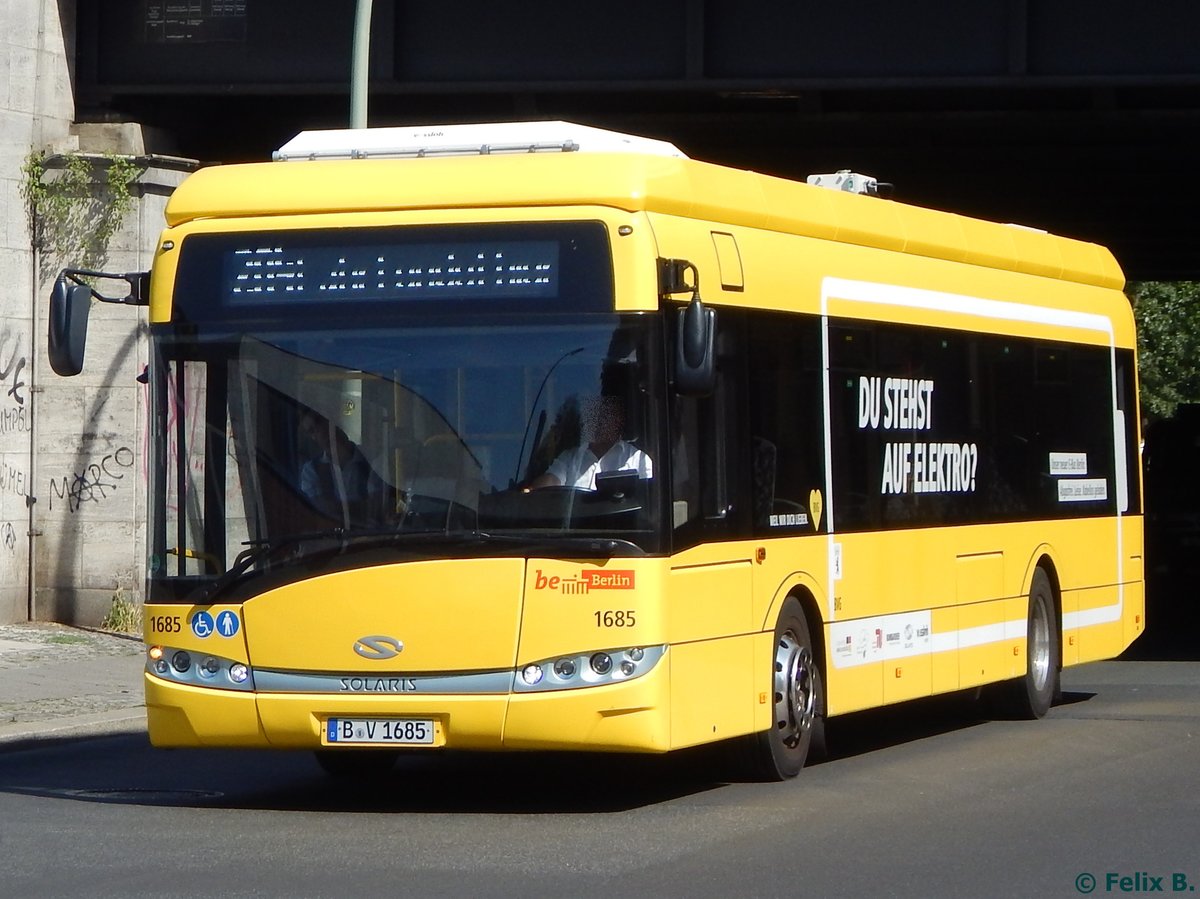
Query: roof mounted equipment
x=853 y=183
x=466 y=140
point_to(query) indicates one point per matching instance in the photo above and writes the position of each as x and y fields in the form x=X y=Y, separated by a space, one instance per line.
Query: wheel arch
x=1043 y=558
x=805 y=591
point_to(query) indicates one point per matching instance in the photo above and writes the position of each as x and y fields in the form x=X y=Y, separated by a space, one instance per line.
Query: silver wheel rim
x=1039 y=644
x=795 y=691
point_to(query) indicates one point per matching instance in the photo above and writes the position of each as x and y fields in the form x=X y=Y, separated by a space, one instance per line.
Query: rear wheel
x=798 y=701
x=356 y=763
x=1031 y=696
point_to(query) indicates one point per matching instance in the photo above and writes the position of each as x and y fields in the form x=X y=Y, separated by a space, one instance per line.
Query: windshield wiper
x=257 y=550
x=568 y=547
x=247 y=557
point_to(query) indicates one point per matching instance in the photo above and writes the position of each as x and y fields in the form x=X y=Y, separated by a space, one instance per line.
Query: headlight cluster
x=198 y=669
x=587 y=669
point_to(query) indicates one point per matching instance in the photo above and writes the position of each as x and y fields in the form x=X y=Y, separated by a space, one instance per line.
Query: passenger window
x=786 y=425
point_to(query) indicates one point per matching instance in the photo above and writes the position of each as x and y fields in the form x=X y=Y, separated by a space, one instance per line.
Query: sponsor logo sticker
x=585 y=582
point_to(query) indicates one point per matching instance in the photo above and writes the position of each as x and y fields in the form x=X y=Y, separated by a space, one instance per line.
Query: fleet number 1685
x=166 y=624
x=615 y=618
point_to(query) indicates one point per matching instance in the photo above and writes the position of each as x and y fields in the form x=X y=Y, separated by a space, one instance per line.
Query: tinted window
x=940 y=427
x=786 y=425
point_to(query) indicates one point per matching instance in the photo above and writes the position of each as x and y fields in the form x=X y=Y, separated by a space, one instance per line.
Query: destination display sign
x=278 y=270
x=338 y=274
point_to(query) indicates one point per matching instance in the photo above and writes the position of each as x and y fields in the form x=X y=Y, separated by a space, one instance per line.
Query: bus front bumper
x=625 y=717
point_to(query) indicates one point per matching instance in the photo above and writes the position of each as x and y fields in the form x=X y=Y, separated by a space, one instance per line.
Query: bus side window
x=699 y=470
x=706 y=455
x=785 y=423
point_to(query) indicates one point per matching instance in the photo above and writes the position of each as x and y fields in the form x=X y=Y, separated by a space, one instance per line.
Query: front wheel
x=798 y=700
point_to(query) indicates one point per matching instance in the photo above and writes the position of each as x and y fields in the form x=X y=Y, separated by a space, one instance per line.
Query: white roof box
x=467 y=140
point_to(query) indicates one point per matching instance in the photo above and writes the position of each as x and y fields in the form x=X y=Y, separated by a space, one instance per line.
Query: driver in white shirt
x=602 y=449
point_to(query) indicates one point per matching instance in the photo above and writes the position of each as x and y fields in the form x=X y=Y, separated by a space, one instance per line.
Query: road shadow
x=126 y=770
x=859 y=733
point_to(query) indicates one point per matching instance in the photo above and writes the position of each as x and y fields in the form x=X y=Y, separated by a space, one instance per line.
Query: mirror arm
x=139 y=285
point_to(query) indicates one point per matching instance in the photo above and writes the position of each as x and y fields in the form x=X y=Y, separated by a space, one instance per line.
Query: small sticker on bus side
x=1068 y=463
x=1082 y=490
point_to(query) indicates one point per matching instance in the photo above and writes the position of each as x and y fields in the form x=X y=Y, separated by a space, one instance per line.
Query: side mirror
x=695 y=357
x=695 y=353
x=69 y=308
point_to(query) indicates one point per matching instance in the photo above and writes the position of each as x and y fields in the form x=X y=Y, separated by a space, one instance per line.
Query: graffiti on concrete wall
x=95 y=483
x=13 y=362
x=13 y=480
x=15 y=426
x=14 y=413
x=14 y=421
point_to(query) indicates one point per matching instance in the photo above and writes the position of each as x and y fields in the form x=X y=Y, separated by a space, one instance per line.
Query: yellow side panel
x=709 y=600
x=712 y=685
x=710 y=606
x=1103 y=633
x=1070 y=635
x=854 y=688
x=907 y=678
x=1134 y=579
x=869 y=584
x=978 y=577
x=763 y=698
x=991 y=641
x=944 y=675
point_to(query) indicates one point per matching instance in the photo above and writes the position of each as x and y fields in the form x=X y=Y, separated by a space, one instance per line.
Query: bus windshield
x=296 y=450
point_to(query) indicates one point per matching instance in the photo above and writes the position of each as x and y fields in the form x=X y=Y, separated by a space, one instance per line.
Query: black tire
x=1032 y=695
x=798 y=702
x=356 y=764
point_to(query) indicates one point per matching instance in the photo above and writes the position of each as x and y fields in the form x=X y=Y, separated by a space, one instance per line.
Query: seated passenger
x=602 y=449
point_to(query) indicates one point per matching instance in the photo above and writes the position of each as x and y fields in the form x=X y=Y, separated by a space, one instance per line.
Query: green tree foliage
x=1168 y=319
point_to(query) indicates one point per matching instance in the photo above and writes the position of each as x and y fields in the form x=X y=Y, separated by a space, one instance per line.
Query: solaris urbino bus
x=541 y=437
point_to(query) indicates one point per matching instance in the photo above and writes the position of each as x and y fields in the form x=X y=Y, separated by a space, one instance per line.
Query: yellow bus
x=537 y=437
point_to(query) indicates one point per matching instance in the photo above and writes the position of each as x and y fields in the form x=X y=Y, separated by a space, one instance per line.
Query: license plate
x=383 y=731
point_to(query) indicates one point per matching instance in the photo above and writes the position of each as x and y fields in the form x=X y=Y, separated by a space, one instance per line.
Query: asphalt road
x=922 y=800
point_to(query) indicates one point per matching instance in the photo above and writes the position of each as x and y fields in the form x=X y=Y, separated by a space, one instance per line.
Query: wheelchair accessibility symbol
x=227 y=624
x=202 y=624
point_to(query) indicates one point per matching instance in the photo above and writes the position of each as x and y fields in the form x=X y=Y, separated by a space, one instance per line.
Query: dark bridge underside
x=1078 y=116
